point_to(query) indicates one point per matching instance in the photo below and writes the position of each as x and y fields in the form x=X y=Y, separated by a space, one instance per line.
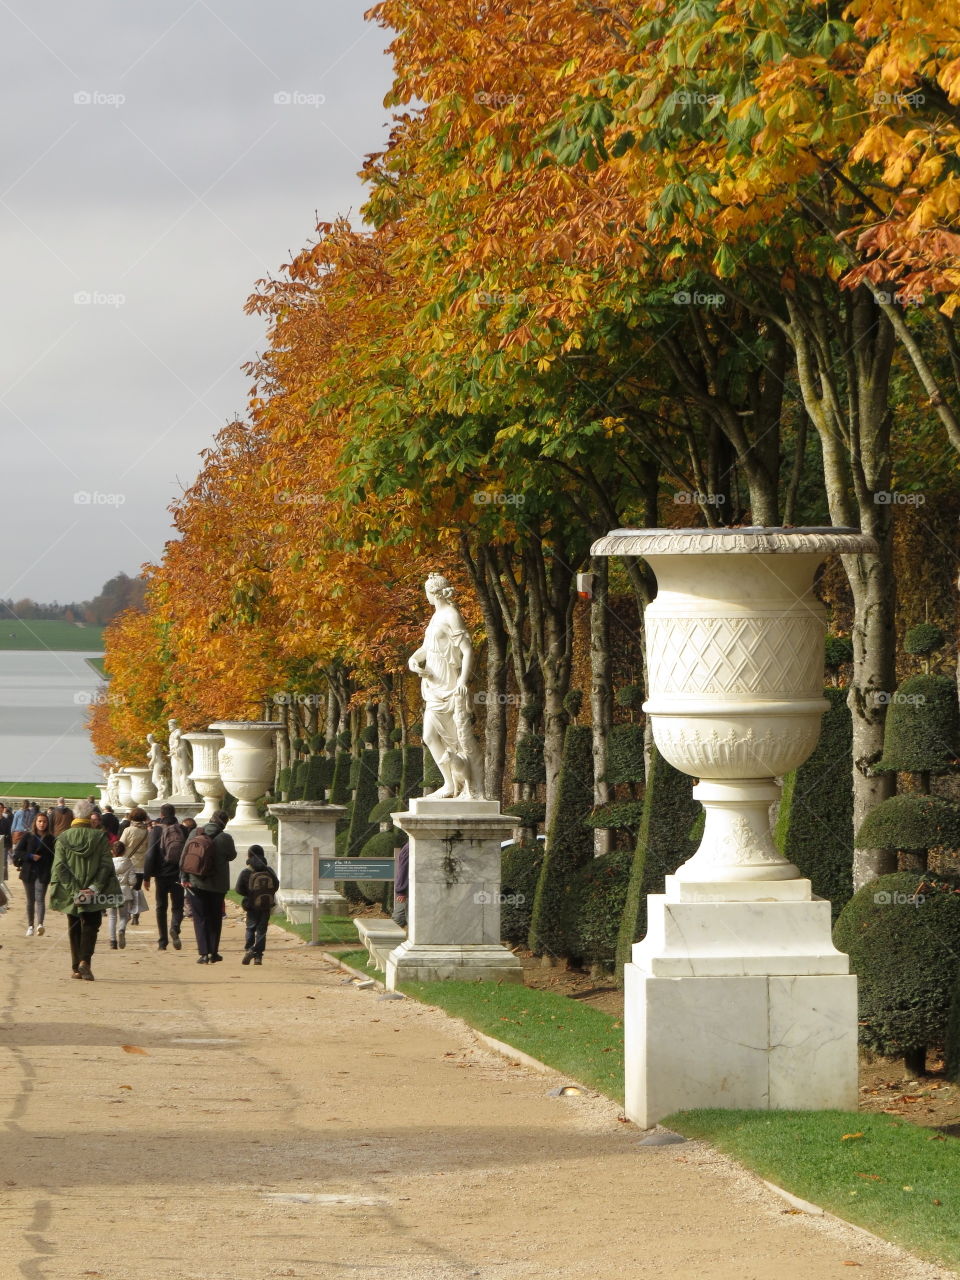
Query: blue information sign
x=357 y=869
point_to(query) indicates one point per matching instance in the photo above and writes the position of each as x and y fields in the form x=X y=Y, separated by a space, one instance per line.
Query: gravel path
x=277 y=1121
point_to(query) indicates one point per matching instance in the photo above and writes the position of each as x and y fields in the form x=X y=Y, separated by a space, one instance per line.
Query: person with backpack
x=205 y=875
x=165 y=843
x=257 y=885
x=120 y=913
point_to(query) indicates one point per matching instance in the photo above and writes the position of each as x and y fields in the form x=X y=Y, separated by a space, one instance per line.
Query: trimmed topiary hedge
x=411 y=784
x=318 y=774
x=340 y=784
x=569 y=845
x=815 y=824
x=391 y=768
x=382 y=810
x=620 y=815
x=902 y=933
x=381 y=845
x=911 y=822
x=432 y=777
x=299 y=779
x=922 y=728
x=599 y=894
x=669 y=810
x=519 y=872
x=364 y=799
x=528 y=764
x=625 y=753
x=284 y=781
x=530 y=812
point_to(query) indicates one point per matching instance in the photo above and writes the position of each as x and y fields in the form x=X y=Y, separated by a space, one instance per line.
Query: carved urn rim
x=226 y=725
x=748 y=540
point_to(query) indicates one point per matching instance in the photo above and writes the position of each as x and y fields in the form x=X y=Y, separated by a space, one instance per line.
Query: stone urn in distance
x=246 y=763
x=142 y=790
x=205 y=774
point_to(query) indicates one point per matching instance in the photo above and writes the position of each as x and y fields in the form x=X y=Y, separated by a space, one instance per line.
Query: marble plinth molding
x=453 y=912
x=736 y=997
x=306 y=831
x=246 y=763
x=185 y=807
x=205 y=775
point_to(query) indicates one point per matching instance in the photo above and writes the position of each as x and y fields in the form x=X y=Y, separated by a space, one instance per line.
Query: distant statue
x=112 y=793
x=159 y=767
x=445 y=664
x=181 y=761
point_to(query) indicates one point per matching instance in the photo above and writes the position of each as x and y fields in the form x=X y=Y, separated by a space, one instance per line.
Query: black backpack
x=259 y=895
x=172 y=839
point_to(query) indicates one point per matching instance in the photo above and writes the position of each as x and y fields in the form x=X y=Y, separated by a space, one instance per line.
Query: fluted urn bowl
x=124 y=788
x=142 y=789
x=735 y=669
x=247 y=761
x=205 y=774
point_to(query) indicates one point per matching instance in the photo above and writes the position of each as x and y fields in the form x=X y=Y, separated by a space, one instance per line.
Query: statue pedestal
x=186 y=806
x=307 y=831
x=454 y=908
x=739 y=1004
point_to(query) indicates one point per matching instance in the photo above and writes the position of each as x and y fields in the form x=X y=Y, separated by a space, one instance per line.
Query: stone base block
x=380 y=937
x=247 y=833
x=297 y=906
x=753 y=1043
x=425 y=962
x=184 y=808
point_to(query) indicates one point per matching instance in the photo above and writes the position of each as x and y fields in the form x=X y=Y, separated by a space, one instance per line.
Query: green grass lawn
x=52 y=790
x=50 y=634
x=361 y=960
x=896 y=1179
x=332 y=931
x=574 y=1038
x=97 y=664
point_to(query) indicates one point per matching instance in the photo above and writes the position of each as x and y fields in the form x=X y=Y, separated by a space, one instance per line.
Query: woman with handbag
x=34 y=860
x=135 y=836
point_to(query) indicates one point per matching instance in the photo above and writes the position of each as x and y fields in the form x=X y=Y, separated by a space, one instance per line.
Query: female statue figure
x=159 y=774
x=445 y=664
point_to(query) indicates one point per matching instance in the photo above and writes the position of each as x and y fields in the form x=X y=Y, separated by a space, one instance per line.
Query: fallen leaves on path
x=132 y=1048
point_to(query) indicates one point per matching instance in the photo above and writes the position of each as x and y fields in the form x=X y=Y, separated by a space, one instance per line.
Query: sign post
x=314 y=897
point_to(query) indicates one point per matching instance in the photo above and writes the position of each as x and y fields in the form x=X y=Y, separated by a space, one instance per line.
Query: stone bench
x=379 y=937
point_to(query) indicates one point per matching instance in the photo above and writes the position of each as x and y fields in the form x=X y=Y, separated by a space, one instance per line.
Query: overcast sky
x=158 y=158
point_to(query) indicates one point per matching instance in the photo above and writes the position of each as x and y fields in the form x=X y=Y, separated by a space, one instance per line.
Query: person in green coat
x=82 y=884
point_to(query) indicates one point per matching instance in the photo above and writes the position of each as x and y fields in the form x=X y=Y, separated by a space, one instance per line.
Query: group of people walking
x=93 y=864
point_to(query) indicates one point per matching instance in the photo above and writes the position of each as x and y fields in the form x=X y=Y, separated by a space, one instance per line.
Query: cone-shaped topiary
x=669 y=810
x=301 y=745
x=519 y=872
x=569 y=845
x=815 y=822
x=284 y=782
x=391 y=768
x=340 y=783
x=396 y=735
x=411 y=784
x=902 y=933
x=837 y=652
x=923 y=727
x=354 y=772
x=299 y=779
x=382 y=810
x=625 y=753
x=344 y=741
x=317 y=743
x=911 y=822
x=528 y=765
x=619 y=815
x=432 y=777
x=319 y=774
x=369 y=735
x=530 y=812
x=629 y=696
x=600 y=891
x=364 y=798
x=573 y=702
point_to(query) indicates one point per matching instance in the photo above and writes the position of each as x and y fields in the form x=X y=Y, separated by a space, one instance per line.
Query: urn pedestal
x=736 y=998
x=246 y=764
x=306 y=831
x=453 y=911
x=205 y=775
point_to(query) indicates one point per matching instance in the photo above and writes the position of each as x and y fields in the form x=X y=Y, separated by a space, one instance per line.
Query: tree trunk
x=482 y=572
x=601 y=694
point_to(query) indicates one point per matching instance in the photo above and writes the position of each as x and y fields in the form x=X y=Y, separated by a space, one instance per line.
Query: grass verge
x=891 y=1177
x=361 y=960
x=332 y=931
x=51 y=633
x=47 y=790
x=575 y=1039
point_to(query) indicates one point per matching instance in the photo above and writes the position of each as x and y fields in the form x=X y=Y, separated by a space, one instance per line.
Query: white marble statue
x=112 y=795
x=181 y=761
x=444 y=663
x=159 y=768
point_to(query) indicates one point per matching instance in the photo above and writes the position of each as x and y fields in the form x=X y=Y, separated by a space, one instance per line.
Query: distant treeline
x=121 y=592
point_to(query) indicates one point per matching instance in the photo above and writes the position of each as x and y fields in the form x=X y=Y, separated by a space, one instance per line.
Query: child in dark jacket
x=257 y=885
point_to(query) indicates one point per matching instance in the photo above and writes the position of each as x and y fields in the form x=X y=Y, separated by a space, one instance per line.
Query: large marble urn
x=124 y=789
x=737 y=997
x=205 y=775
x=142 y=789
x=247 y=762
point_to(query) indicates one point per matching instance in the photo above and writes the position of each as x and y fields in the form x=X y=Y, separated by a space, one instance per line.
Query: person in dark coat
x=207 y=894
x=401 y=885
x=34 y=859
x=165 y=841
x=251 y=887
x=82 y=884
